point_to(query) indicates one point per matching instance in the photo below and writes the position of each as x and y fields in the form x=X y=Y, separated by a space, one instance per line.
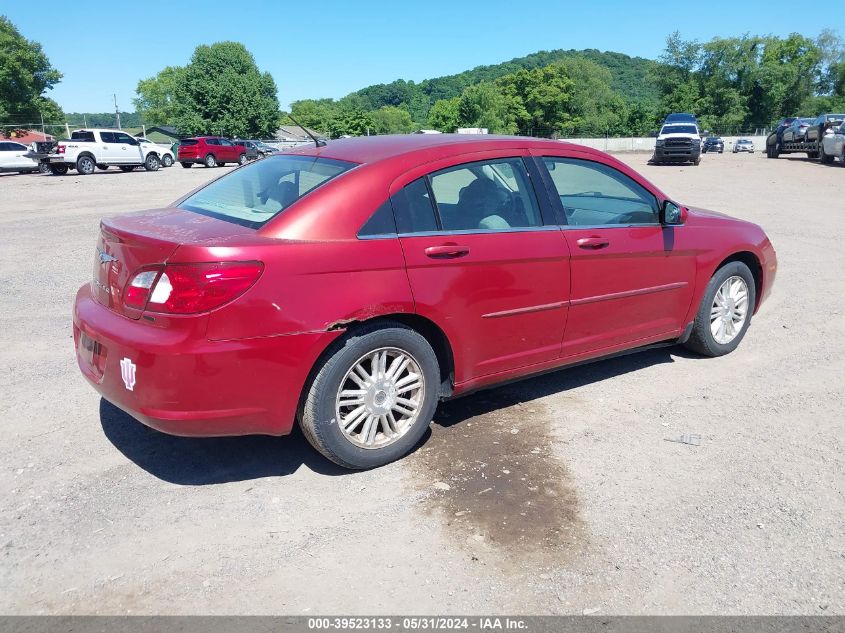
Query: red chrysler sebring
x=350 y=287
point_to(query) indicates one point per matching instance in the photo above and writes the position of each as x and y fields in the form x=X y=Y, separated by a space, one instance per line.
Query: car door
x=12 y=156
x=629 y=284
x=129 y=149
x=109 y=151
x=484 y=264
x=228 y=151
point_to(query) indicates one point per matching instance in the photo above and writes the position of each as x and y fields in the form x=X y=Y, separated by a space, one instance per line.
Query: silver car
x=744 y=145
x=833 y=145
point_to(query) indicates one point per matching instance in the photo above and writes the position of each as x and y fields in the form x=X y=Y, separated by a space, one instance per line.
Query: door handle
x=593 y=242
x=447 y=251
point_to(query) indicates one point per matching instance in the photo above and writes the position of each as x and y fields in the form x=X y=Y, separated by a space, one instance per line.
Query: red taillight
x=190 y=288
x=60 y=149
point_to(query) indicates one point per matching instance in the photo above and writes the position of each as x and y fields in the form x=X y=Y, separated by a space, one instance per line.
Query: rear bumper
x=185 y=384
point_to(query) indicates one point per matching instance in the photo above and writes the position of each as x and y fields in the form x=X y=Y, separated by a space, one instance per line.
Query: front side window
x=594 y=194
x=107 y=137
x=121 y=137
x=485 y=195
x=253 y=195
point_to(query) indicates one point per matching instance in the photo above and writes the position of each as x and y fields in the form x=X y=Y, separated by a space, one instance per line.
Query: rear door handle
x=448 y=251
x=593 y=242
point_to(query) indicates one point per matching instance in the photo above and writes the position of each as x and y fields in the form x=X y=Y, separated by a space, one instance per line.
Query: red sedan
x=351 y=287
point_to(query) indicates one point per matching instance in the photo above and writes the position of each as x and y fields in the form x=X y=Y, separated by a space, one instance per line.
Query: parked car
x=165 y=152
x=102 y=148
x=833 y=145
x=677 y=143
x=713 y=144
x=823 y=122
x=249 y=148
x=796 y=131
x=13 y=157
x=211 y=151
x=743 y=145
x=264 y=149
x=353 y=286
x=774 y=142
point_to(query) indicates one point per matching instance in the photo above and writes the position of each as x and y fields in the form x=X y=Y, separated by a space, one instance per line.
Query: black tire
x=59 y=169
x=187 y=165
x=697 y=161
x=221 y=164
x=85 y=165
x=44 y=168
x=152 y=162
x=210 y=161
x=318 y=415
x=702 y=340
x=242 y=159
x=824 y=157
x=167 y=160
x=126 y=168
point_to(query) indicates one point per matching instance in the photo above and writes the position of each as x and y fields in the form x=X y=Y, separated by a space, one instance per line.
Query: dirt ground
x=562 y=493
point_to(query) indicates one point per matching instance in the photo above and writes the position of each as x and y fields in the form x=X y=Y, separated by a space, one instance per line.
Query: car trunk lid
x=135 y=241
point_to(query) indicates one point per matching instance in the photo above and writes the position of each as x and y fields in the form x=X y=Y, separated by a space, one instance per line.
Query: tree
x=316 y=114
x=156 y=100
x=392 y=120
x=485 y=106
x=444 y=116
x=350 y=122
x=25 y=74
x=221 y=91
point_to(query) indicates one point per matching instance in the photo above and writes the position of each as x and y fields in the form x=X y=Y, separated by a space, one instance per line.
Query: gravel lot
x=564 y=495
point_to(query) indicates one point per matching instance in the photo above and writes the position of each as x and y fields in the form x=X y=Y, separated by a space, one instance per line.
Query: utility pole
x=116 y=112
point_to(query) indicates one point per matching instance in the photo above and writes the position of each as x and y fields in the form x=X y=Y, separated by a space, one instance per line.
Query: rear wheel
x=85 y=165
x=187 y=165
x=242 y=159
x=373 y=397
x=210 y=161
x=152 y=163
x=725 y=311
x=44 y=168
x=59 y=169
x=167 y=160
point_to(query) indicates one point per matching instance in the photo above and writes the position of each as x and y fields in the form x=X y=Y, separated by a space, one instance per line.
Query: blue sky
x=330 y=48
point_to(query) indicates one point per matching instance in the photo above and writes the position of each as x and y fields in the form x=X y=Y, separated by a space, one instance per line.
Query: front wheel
x=210 y=161
x=44 y=168
x=167 y=160
x=152 y=163
x=242 y=159
x=85 y=165
x=373 y=397
x=825 y=158
x=725 y=311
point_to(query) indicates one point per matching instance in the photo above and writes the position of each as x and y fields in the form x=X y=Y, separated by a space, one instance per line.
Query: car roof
x=370 y=149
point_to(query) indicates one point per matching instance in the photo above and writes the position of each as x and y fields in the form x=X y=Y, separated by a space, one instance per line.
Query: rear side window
x=381 y=223
x=593 y=194
x=254 y=194
x=82 y=135
x=414 y=209
x=107 y=137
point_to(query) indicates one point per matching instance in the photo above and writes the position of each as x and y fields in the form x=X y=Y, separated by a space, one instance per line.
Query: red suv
x=353 y=286
x=210 y=151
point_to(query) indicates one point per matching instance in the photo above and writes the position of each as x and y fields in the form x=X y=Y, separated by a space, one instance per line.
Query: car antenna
x=317 y=141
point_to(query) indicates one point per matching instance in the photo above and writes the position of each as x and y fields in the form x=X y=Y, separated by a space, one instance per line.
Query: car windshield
x=253 y=195
x=679 y=129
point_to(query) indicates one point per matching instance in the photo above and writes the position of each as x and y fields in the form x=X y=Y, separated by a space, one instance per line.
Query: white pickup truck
x=87 y=150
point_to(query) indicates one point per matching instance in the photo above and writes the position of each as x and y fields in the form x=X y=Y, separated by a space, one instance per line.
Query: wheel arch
x=425 y=327
x=753 y=262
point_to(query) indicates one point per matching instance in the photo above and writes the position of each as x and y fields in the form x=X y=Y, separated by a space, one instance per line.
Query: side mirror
x=672 y=214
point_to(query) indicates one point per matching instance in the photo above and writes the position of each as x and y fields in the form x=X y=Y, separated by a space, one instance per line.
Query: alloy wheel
x=380 y=397
x=729 y=310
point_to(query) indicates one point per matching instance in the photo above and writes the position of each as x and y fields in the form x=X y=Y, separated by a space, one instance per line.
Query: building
x=293 y=135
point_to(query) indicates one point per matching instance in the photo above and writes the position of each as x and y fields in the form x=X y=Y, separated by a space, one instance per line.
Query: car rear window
x=82 y=136
x=253 y=195
x=189 y=141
